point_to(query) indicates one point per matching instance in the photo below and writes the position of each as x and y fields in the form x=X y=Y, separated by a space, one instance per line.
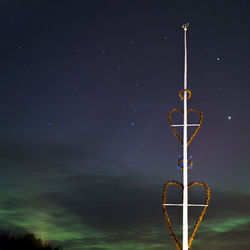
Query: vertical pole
x=185 y=170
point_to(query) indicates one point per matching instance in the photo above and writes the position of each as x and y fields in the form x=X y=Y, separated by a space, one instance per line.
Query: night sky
x=85 y=144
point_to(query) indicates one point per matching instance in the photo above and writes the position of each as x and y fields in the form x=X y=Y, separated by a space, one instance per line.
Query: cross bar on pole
x=182 y=125
x=190 y=205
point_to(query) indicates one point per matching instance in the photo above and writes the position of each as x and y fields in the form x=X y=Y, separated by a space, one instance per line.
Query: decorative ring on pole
x=184 y=90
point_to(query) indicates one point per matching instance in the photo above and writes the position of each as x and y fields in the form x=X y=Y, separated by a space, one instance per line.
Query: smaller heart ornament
x=174 y=130
x=198 y=221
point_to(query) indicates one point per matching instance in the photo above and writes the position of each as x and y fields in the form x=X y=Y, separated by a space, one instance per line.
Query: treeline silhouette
x=26 y=241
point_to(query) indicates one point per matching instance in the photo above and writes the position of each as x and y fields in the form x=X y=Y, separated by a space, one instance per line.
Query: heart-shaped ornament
x=174 y=130
x=198 y=221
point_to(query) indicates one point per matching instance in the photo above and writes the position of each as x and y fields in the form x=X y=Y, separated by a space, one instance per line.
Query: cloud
x=85 y=200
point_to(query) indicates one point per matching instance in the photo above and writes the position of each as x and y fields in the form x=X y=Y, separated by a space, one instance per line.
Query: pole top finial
x=185 y=26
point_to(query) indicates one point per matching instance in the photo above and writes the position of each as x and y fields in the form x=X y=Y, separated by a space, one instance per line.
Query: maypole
x=185 y=172
x=184 y=163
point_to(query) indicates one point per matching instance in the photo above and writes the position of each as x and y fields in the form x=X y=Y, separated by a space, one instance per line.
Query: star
x=132 y=124
x=229 y=117
x=218 y=59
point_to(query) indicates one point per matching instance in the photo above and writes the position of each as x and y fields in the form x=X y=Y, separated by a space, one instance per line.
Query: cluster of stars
x=118 y=67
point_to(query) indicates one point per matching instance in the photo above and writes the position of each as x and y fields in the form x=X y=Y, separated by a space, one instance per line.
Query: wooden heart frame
x=182 y=112
x=198 y=221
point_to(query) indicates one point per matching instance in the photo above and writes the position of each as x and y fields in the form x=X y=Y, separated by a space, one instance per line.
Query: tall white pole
x=185 y=170
x=186 y=95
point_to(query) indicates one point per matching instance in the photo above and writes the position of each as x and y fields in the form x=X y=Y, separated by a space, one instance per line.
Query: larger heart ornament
x=174 y=130
x=198 y=221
